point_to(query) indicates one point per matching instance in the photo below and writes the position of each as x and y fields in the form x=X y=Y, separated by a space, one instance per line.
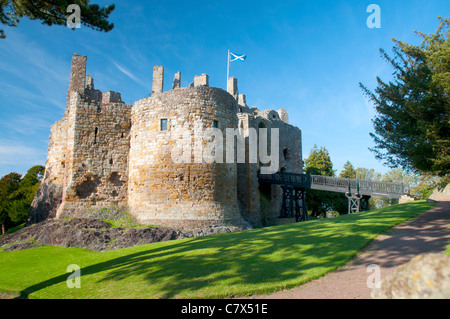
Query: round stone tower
x=175 y=177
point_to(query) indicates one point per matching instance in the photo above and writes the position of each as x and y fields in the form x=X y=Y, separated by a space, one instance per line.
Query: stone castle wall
x=261 y=204
x=106 y=153
x=96 y=172
x=164 y=190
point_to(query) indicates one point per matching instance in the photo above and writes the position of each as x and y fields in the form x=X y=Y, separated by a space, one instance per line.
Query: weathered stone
x=45 y=203
x=405 y=199
x=176 y=80
x=201 y=80
x=97 y=235
x=84 y=233
x=158 y=79
x=441 y=194
x=425 y=276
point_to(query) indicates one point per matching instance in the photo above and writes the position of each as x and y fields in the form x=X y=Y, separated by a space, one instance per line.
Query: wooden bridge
x=357 y=191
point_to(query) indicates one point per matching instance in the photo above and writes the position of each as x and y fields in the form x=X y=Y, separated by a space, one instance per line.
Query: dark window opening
x=95 y=135
x=163 y=124
x=215 y=124
x=286 y=154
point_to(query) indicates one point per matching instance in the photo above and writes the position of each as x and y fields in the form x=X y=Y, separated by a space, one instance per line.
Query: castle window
x=286 y=154
x=95 y=135
x=215 y=124
x=163 y=124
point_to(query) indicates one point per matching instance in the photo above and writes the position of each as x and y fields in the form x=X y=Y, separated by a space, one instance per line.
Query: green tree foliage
x=412 y=124
x=319 y=163
x=367 y=174
x=348 y=172
x=54 y=12
x=16 y=195
x=425 y=184
x=8 y=184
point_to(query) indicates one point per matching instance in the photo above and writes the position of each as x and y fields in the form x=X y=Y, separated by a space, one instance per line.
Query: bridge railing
x=337 y=184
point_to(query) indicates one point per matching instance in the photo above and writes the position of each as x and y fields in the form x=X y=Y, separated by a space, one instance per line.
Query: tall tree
x=20 y=200
x=16 y=195
x=319 y=163
x=52 y=12
x=412 y=124
x=348 y=172
x=8 y=185
x=367 y=174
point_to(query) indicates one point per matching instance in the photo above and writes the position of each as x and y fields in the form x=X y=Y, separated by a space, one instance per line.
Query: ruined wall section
x=87 y=160
x=248 y=194
x=290 y=161
x=185 y=193
x=259 y=203
x=49 y=195
x=96 y=174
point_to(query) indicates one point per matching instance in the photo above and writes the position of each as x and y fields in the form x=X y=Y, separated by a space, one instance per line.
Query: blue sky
x=305 y=56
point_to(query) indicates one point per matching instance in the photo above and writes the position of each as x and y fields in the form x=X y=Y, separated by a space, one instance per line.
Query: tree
x=412 y=124
x=20 y=200
x=367 y=174
x=8 y=184
x=425 y=185
x=349 y=171
x=319 y=163
x=54 y=12
x=16 y=195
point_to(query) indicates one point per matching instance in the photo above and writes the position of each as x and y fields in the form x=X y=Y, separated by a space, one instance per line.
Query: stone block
x=201 y=80
x=158 y=79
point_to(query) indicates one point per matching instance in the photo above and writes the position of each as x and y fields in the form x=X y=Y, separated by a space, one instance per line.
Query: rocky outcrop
x=86 y=233
x=97 y=235
x=45 y=203
x=425 y=276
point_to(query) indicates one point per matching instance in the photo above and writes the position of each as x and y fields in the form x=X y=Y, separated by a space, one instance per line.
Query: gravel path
x=428 y=232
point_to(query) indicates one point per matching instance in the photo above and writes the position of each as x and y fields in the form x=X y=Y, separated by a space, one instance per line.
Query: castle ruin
x=105 y=153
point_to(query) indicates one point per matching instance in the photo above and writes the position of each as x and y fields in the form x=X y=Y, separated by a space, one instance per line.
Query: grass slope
x=256 y=261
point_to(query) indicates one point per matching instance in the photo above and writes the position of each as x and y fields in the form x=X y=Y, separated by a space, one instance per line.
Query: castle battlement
x=105 y=153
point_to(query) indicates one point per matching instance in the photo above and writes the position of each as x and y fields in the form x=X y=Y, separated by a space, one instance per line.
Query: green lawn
x=256 y=261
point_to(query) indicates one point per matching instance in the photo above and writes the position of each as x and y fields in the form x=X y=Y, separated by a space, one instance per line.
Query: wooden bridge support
x=358 y=191
x=293 y=204
x=357 y=203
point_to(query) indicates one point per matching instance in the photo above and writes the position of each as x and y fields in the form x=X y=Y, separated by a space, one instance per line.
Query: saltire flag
x=237 y=57
x=234 y=57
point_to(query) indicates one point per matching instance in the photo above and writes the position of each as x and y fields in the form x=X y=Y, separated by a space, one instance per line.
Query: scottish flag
x=237 y=57
x=233 y=57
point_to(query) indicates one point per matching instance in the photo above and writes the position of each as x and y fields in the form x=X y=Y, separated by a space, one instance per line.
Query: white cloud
x=129 y=74
x=18 y=157
x=26 y=124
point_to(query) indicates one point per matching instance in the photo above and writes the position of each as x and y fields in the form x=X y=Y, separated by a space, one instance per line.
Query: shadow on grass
x=256 y=261
x=427 y=233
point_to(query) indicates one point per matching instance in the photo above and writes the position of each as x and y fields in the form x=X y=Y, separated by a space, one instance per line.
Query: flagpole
x=228 y=65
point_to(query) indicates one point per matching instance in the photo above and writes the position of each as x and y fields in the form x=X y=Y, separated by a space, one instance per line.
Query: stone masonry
x=105 y=153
